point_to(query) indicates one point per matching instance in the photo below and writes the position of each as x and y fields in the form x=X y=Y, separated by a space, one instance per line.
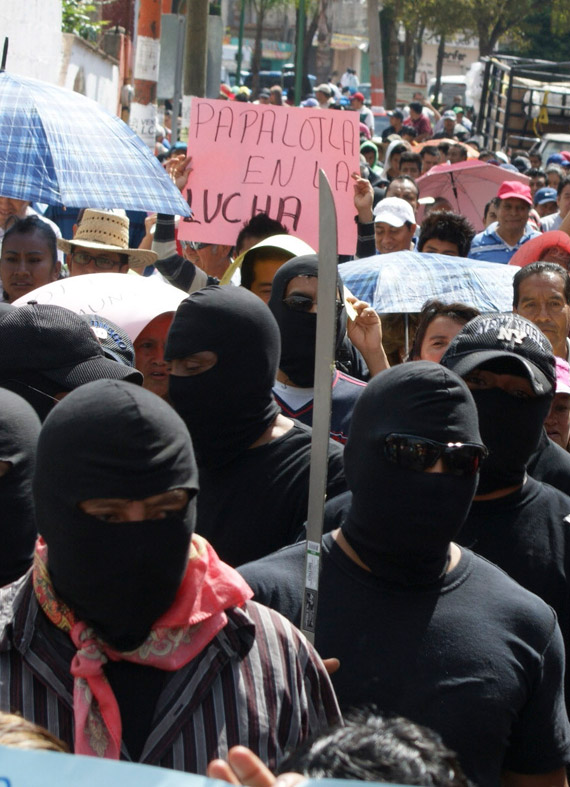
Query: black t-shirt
x=477 y=658
x=258 y=502
x=550 y=463
x=527 y=534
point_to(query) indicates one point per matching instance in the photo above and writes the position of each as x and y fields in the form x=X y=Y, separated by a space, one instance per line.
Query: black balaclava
x=112 y=439
x=299 y=329
x=401 y=521
x=511 y=428
x=228 y=407
x=19 y=430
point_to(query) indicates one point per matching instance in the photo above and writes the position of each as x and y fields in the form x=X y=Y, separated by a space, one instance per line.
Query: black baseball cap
x=58 y=344
x=504 y=336
x=113 y=339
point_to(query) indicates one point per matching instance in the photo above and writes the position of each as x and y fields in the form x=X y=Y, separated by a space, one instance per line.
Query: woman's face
x=149 y=354
x=26 y=263
x=438 y=335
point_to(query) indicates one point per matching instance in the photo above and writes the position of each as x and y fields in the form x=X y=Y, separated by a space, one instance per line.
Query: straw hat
x=108 y=232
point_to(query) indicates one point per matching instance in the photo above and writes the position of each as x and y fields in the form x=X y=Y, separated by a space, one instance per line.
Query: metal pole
x=180 y=38
x=4 y=55
x=196 y=48
x=299 y=54
x=147 y=55
x=240 y=42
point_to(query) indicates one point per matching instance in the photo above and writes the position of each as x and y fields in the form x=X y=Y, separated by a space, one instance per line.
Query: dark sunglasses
x=304 y=303
x=419 y=453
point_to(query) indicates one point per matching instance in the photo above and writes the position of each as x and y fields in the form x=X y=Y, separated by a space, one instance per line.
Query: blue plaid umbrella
x=58 y=147
x=404 y=280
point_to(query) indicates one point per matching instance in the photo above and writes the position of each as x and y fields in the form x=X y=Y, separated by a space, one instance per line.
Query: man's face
x=213 y=259
x=121 y=510
x=535 y=183
x=535 y=161
x=410 y=168
x=82 y=260
x=484 y=380
x=542 y=301
x=390 y=238
x=512 y=215
x=11 y=207
x=321 y=97
x=557 y=422
x=449 y=126
x=404 y=190
x=369 y=156
x=547 y=208
x=263 y=273
x=564 y=201
x=553 y=179
x=414 y=115
x=395 y=122
x=429 y=160
x=264 y=100
x=440 y=246
x=395 y=162
x=149 y=354
x=356 y=104
x=455 y=155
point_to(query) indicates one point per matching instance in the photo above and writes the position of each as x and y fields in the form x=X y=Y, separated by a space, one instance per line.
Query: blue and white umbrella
x=61 y=148
x=404 y=280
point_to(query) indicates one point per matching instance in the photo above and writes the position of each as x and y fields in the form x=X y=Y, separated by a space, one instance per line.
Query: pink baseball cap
x=562 y=376
x=359 y=96
x=516 y=190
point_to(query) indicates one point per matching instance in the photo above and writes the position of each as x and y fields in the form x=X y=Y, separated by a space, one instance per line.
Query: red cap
x=516 y=190
x=359 y=96
x=565 y=154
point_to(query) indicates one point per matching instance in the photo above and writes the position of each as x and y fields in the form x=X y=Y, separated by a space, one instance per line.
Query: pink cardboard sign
x=250 y=158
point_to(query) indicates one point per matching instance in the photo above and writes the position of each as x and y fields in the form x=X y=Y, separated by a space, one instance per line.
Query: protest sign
x=250 y=158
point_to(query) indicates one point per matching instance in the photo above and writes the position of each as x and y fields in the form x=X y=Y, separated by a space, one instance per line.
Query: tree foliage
x=79 y=16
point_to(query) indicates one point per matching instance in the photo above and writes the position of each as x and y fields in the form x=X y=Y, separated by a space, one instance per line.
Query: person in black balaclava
x=19 y=430
x=518 y=523
x=254 y=463
x=293 y=303
x=117 y=640
x=401 y=606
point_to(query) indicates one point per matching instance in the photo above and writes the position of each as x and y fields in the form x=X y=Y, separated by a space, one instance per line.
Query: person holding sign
x=130 y=639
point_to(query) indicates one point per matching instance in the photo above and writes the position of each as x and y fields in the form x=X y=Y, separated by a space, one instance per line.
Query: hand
x=149 y=223
x=245 y=767
x=363 y=198
x=179 y=169
x=331 y=665
x=365 y=332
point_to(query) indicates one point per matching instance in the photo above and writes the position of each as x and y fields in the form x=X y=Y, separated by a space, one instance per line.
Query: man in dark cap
x=131 y=639
x=422 y=627
x=254 y=462
x=519 y=523
x=47 y=351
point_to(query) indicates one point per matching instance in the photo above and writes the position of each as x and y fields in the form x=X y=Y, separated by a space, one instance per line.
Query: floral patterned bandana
x=196 y=616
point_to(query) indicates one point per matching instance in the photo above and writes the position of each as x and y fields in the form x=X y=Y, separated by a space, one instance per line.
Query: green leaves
x=79 y=17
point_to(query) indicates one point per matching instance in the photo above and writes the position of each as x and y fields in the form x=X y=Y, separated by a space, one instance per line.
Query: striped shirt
x=489 y=246
x=259 y=683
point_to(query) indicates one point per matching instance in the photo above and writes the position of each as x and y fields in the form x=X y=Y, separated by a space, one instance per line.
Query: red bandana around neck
x=197 y=614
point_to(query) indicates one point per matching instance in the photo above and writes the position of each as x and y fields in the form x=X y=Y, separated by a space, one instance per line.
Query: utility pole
x=375 y=55
x=147 y=54
x=196 y=48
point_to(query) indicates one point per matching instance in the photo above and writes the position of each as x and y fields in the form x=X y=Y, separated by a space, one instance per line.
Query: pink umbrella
x=467 y=186
x=129 y=300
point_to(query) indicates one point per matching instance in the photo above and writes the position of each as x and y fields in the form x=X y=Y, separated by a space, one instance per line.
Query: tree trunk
x=409 y=55
x=390 y=83
x=257 y=50
x=196 y=48
x=324 y=38
x=439 y=67
x=375 y=55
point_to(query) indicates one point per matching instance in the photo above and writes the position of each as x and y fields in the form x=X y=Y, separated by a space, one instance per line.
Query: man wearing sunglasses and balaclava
x=293 y=302
x=130 y=638
x=424 y=628
x=517 y=522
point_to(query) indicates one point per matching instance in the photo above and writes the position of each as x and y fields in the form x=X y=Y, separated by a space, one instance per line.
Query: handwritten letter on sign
x=250 y=159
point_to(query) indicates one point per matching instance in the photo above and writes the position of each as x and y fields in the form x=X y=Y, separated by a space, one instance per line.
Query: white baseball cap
x=394 y=211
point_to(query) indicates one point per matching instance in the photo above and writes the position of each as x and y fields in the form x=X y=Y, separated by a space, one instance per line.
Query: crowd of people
x=155 y=485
